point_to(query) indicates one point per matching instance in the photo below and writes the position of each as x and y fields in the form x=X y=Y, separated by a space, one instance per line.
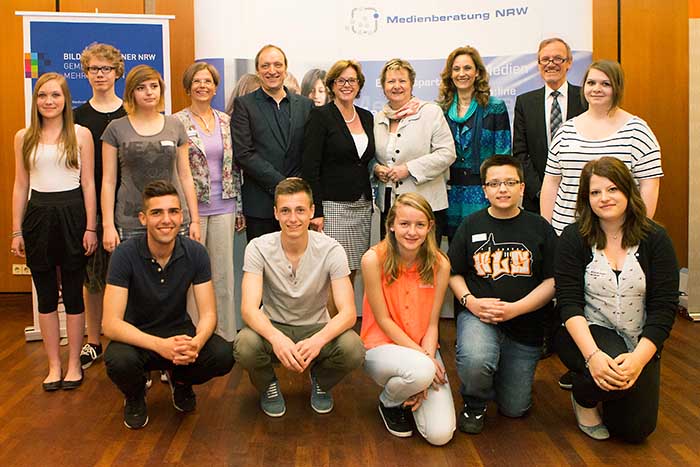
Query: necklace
x=354 y=115
x=206 y=124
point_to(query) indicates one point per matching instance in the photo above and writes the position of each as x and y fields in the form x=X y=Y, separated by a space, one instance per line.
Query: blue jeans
x=491 y=365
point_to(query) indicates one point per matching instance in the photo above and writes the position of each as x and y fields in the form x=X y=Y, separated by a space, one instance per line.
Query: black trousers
x=127 y=365
x=630 y=414
x=257 y=226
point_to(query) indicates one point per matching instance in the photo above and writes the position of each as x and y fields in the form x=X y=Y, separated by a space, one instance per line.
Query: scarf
x=453 y=113
x=409 y=108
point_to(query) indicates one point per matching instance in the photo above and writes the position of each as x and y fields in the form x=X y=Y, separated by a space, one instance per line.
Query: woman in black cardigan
x=617 y=288
x=338 y=145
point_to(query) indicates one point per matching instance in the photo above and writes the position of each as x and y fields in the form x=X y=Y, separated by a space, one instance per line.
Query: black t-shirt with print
x=506 y=259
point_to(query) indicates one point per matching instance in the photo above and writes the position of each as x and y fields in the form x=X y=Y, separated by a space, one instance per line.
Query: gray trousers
x=335 y=360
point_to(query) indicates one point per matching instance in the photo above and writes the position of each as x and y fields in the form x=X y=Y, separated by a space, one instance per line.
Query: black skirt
x=53 y=229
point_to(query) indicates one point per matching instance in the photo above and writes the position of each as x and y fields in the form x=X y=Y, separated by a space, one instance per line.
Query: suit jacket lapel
x=540 y=114
x=293 y=107
x=574 y=101
x=335 y=111
x=368 y=126
x=261 y=100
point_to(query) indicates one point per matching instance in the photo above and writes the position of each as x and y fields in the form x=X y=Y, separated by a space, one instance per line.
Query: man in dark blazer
x=532 y=130
x=267 y=128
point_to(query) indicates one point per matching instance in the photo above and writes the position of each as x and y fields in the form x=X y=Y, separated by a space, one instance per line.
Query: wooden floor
x=85 y=427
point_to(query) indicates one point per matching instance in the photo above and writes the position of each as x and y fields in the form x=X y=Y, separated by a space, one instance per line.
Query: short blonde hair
x=136 y=76
x=105 y=52
x=398 y=64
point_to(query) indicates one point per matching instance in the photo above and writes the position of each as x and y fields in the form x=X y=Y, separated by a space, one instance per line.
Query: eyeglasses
x=93 y=70
x=555 y=60
x=498 y=183
x=203 y=82
x=342 y=81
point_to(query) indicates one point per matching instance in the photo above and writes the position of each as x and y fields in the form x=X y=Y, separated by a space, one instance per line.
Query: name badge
x=479 y=237
x=167 y=143
x=596 y=274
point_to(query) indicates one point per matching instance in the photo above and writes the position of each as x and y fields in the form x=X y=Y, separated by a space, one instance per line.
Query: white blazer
x=425 y=144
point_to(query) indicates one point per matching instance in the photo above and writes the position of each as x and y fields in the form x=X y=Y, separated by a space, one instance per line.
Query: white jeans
x=404 y=372
x=217 y=235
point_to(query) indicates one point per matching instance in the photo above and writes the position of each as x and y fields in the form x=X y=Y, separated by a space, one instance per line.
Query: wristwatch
x=463 y=300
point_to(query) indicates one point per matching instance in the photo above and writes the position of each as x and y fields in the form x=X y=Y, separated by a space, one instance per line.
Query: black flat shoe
x=68 y=385
x=52 y=386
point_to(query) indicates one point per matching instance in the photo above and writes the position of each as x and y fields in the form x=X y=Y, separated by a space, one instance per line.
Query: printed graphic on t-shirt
x=496 y=260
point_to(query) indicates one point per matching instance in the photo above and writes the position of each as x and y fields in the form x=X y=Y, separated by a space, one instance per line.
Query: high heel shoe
x=73 y=384
x=598 y=432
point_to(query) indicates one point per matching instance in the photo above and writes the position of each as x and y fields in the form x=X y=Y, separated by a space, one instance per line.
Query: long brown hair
x=636 y=225
x=482 y=90
x=67 y=141
x=429 y=253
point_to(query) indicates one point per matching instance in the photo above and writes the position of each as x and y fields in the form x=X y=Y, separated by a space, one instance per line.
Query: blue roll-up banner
x=54 y=42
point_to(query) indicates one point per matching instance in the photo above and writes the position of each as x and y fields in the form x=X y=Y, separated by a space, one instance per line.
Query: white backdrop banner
x=316 y=33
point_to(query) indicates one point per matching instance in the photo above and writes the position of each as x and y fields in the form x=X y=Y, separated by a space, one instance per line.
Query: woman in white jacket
x=414 y=145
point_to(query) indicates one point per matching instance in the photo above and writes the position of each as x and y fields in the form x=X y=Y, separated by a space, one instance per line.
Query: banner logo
x=364 y=21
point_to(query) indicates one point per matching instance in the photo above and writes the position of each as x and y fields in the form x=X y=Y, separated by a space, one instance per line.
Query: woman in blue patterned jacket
x=480 y=127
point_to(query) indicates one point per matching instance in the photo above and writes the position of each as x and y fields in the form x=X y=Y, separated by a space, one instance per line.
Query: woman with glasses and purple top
x=217 y=182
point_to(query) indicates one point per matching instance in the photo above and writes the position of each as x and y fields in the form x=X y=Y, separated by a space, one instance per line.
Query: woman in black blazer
x=338 y=145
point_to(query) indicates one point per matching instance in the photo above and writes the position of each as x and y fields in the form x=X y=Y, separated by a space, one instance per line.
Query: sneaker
x=272 y=401
x=89 y=354
x=321 y=401
x=184 y=398
x=566 y=381
x=471 y=421
x=396 y=420
x=135 y=412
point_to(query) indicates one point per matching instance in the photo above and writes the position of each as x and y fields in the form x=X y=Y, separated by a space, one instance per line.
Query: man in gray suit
x=539 y=113
x=267 y=127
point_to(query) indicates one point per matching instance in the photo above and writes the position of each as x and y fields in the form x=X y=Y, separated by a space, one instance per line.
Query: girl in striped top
x=604 y=129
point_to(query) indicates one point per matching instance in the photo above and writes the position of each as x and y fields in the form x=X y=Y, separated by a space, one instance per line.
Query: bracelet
x=591 y=356
x=90 y=230
x=463 y=300
x=16 y=233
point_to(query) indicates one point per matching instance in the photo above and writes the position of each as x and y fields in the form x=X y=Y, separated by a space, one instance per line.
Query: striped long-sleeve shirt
x=634 y=144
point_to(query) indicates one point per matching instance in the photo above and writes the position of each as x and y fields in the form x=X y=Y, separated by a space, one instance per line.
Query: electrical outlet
x=21 y=270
